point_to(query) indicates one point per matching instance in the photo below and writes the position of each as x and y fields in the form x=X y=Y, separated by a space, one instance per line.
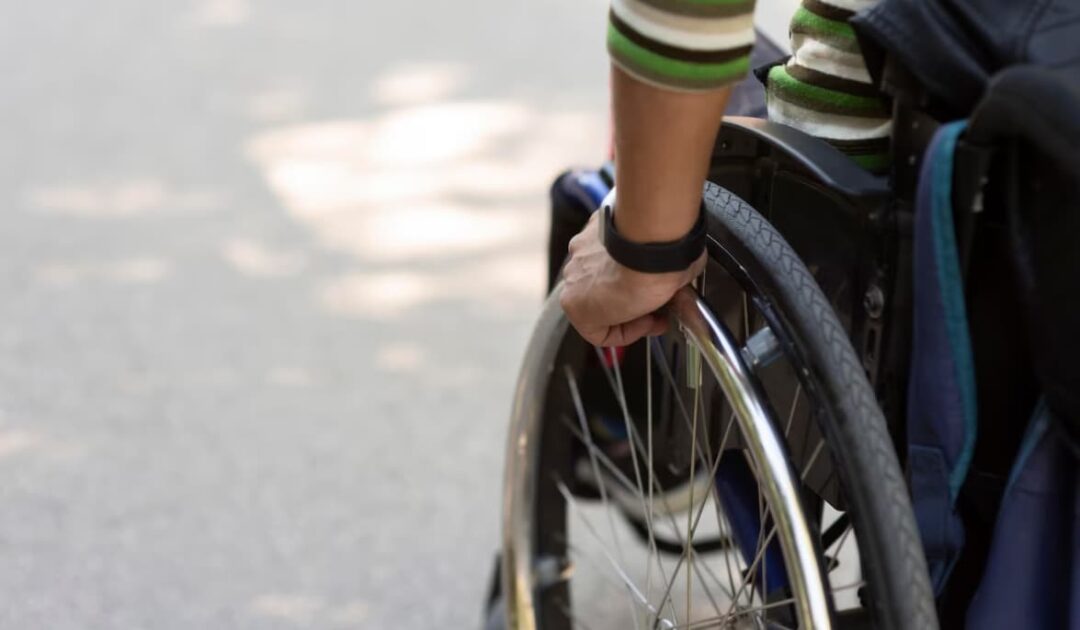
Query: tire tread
x=860 y=428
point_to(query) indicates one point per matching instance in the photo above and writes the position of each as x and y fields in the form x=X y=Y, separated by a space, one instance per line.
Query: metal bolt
x=762 y=348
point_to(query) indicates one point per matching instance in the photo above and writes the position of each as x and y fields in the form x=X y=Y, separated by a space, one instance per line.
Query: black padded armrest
x=833 y=169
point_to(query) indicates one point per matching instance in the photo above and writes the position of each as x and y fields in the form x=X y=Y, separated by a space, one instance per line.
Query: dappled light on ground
x=221 y=13
x=495 y=287
x=378 y=295
x=309 y=611
x=458 y=183
x=277 y=104
x=417 y=83
x=19 y=444
x=286 y=376
x=268 y=270
x=400 y=357
x=119 y=199
x=15 y=442
x=251 y=257
x=134 y=271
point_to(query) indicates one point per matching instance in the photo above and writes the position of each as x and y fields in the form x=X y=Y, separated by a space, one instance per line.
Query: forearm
x=663 y=140
x=674 y=62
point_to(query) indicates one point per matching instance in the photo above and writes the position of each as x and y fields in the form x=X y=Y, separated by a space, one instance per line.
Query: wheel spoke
x=650 y=460
x=635 y=439
x=840 y=547
x=689 y=515
x=751 y=570
x=700 y=510
x=722 y=621
x=730 y=573
x=763 y=540
x=691 y=567
x=763 y=546
x=631 y=588
x=646 y=504
x=706 y=459
x=580 y=409
x=791 y=412
x=625 y=482
x=665 y=369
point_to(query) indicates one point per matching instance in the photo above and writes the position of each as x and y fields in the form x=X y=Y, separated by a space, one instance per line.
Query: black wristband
x=652 y=257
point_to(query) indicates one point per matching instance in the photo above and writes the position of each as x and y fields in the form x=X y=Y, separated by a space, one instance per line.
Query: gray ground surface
x=266 y=272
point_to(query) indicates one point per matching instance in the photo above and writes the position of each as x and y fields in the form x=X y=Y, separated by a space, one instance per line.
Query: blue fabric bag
x=941 y=422
x=1031 y=578
x=1032 y=574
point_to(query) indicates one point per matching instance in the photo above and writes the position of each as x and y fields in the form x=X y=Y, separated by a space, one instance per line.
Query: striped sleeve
x=824 y=88
x=686 y=45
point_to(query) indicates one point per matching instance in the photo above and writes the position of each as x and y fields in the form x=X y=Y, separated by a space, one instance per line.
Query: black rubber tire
x=854 y=427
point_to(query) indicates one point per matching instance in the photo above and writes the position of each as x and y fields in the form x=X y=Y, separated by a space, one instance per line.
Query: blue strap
x=951 y=284
x=942 y=420
x=941 y=530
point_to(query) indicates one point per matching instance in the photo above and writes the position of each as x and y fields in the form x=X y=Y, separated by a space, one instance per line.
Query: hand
x=609 y=304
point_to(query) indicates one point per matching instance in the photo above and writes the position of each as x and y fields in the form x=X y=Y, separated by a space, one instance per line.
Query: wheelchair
x=745 y=469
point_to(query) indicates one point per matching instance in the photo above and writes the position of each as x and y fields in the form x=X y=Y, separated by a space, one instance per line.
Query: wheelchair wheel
x=734 y=473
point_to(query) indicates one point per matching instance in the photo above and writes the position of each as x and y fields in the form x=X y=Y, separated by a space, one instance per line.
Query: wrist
x=652 y=256
x=637 y=220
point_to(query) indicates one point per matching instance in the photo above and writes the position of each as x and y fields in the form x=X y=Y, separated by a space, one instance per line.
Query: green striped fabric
x=688 y=45
x=824 y=88
x=675 y=73
x=835 y=33
x=698 y=45
x=806 y=19
x=705 y=8
x=807 y=94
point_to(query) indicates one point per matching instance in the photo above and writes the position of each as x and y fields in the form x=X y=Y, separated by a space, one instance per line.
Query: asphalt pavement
x=267 y=269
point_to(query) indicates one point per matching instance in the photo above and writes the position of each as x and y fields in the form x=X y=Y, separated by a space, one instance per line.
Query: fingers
x=628 y=333
x=610 y=305
x=625 y=334
x=660 y=325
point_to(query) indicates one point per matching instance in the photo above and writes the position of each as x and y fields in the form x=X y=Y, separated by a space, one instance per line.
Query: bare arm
x=673 y=64
x=663 y=140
